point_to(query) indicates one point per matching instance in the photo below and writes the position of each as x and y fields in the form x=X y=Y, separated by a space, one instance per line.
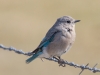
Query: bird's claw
x=61 y=63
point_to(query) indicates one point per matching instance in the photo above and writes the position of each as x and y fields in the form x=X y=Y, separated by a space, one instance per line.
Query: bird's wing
x=46 y=41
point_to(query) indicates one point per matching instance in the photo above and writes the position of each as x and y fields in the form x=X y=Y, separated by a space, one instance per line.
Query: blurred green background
x=23 y=24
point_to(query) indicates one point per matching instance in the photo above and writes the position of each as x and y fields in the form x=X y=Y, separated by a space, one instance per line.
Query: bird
x=57 y=41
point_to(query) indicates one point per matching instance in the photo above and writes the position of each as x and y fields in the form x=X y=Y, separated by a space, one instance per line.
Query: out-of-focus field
x=23 y=24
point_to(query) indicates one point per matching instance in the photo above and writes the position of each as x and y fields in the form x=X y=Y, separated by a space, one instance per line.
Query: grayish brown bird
x=58 y=40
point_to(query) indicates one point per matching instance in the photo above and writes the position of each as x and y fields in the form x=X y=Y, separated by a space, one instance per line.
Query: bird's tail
x=33 y=57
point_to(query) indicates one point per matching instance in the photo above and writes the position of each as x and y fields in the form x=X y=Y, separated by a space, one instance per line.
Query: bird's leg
x=60 y=61
x=42 y=60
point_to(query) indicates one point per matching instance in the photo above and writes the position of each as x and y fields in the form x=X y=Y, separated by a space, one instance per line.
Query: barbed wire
x=15 y=50
x=83 y=67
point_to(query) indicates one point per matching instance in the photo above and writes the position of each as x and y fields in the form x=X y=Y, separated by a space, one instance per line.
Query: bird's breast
x=60 y=44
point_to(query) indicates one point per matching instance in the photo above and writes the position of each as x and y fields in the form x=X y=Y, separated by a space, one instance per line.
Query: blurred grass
x=23 y=24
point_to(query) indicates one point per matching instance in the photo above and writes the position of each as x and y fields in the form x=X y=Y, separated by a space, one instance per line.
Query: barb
x=83 y=67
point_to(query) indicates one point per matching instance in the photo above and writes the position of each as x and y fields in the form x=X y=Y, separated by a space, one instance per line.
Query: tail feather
x=33 y=57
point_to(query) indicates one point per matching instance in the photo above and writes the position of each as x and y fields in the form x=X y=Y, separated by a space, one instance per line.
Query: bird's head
x=67 y=20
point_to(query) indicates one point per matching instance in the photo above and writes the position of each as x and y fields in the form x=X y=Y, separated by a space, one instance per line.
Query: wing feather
x=46 y=41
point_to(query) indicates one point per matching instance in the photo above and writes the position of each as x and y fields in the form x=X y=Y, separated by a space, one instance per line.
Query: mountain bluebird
x=58 y=39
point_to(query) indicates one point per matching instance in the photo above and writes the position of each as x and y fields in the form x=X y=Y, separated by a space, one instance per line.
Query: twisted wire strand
x=83 y=67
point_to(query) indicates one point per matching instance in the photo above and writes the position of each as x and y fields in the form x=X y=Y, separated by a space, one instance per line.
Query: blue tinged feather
x=33 y=57
x=47 y=42
x=44 y=44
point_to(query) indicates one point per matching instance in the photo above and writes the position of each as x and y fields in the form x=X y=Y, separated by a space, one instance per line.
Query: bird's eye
x=68 y=22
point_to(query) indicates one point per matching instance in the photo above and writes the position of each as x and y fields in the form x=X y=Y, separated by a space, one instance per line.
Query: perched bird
x=58 y=39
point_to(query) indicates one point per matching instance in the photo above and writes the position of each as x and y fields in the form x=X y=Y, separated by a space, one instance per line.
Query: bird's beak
x=77 y=21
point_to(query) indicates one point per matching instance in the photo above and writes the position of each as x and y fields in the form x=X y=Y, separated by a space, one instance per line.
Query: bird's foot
x=61 y=62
